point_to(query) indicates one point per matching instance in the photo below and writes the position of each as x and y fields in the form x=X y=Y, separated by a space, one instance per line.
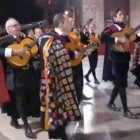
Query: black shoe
x=15 y=124
x=113 y=107
x=96 y=82
x=29 y=133
x=86 y=98
x=130 y=115
x=87 y=78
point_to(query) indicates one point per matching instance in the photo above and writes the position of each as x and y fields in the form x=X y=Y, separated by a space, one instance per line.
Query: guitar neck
x=33 y=43
x=87 y=23
x=87 y=47
x=133 y=31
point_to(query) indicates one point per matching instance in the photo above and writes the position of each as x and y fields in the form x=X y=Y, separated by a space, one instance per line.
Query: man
x=76 y=55
x=59 y=100
x=18 y=80
x=93 y=57
x=120 y=61
x=38 y=32
x=6 y=52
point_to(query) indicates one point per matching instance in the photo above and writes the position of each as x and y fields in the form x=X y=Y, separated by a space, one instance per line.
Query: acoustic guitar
x=32 y=49
x=76 y=45
x=130 y=35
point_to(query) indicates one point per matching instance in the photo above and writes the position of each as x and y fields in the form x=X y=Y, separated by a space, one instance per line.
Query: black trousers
x=120 y=82
x=136 y=72
x=78 y=80
x=59 y=132
x=93 y=59
x=24 y=99
x=11 y=107
x=122 y=92
x=16 y=107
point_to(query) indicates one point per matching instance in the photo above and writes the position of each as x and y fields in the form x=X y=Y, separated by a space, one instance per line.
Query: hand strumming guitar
x=121 y=39
x=19 y=52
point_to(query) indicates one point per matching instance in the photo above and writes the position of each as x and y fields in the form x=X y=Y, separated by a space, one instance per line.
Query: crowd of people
x=50 y=84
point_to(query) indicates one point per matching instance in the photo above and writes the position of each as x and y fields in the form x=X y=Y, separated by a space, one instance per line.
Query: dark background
x=23 y=10
x=26 y=11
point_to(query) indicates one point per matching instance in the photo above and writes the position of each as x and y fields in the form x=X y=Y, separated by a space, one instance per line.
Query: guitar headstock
x=89 y=21
x=137 y=28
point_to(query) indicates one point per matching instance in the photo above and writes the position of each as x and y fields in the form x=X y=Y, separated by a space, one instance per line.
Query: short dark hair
x=58 y=18
x=93 y=33
x=115 y=12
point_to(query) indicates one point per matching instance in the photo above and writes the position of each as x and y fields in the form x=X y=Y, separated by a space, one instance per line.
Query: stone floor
x=99 y=123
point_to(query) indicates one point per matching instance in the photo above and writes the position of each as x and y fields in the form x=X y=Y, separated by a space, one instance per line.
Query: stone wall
x=134 y=13
x=93 y=9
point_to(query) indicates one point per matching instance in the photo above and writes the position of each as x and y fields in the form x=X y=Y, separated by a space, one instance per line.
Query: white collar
x=119 y=28
x=58 y=31
x=15 y=36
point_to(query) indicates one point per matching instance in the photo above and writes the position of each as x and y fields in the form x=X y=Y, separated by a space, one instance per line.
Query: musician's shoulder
x=107 y=30
x=3 y=37
x=42 y=40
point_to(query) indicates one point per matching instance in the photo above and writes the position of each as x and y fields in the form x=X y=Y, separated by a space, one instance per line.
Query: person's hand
x=76 y=54
x=19 y=52
x=88 y=51
x=121 y=39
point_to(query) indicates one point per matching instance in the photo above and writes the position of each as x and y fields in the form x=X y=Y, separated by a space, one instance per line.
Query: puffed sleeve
x=106 y=36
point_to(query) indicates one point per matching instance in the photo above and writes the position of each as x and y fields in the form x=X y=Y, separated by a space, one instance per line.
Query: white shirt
x=119 y=28
x=58 y=31
x=8 y=52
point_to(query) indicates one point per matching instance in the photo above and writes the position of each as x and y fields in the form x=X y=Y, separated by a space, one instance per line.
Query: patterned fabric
x=60 y=102
x=136 y=58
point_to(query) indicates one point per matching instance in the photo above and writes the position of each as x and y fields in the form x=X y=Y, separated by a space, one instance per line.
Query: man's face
x=31 y=33
x=38 y=32
x=119 y=17
x=68 y=24
x=14 y=28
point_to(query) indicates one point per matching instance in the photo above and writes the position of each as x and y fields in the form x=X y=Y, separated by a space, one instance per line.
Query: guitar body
x=81 y=49
x=124 y=47
x=20 y=62
x=27 y=42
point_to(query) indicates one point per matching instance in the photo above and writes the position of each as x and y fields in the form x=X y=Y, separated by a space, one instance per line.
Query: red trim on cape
x=4 y=95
